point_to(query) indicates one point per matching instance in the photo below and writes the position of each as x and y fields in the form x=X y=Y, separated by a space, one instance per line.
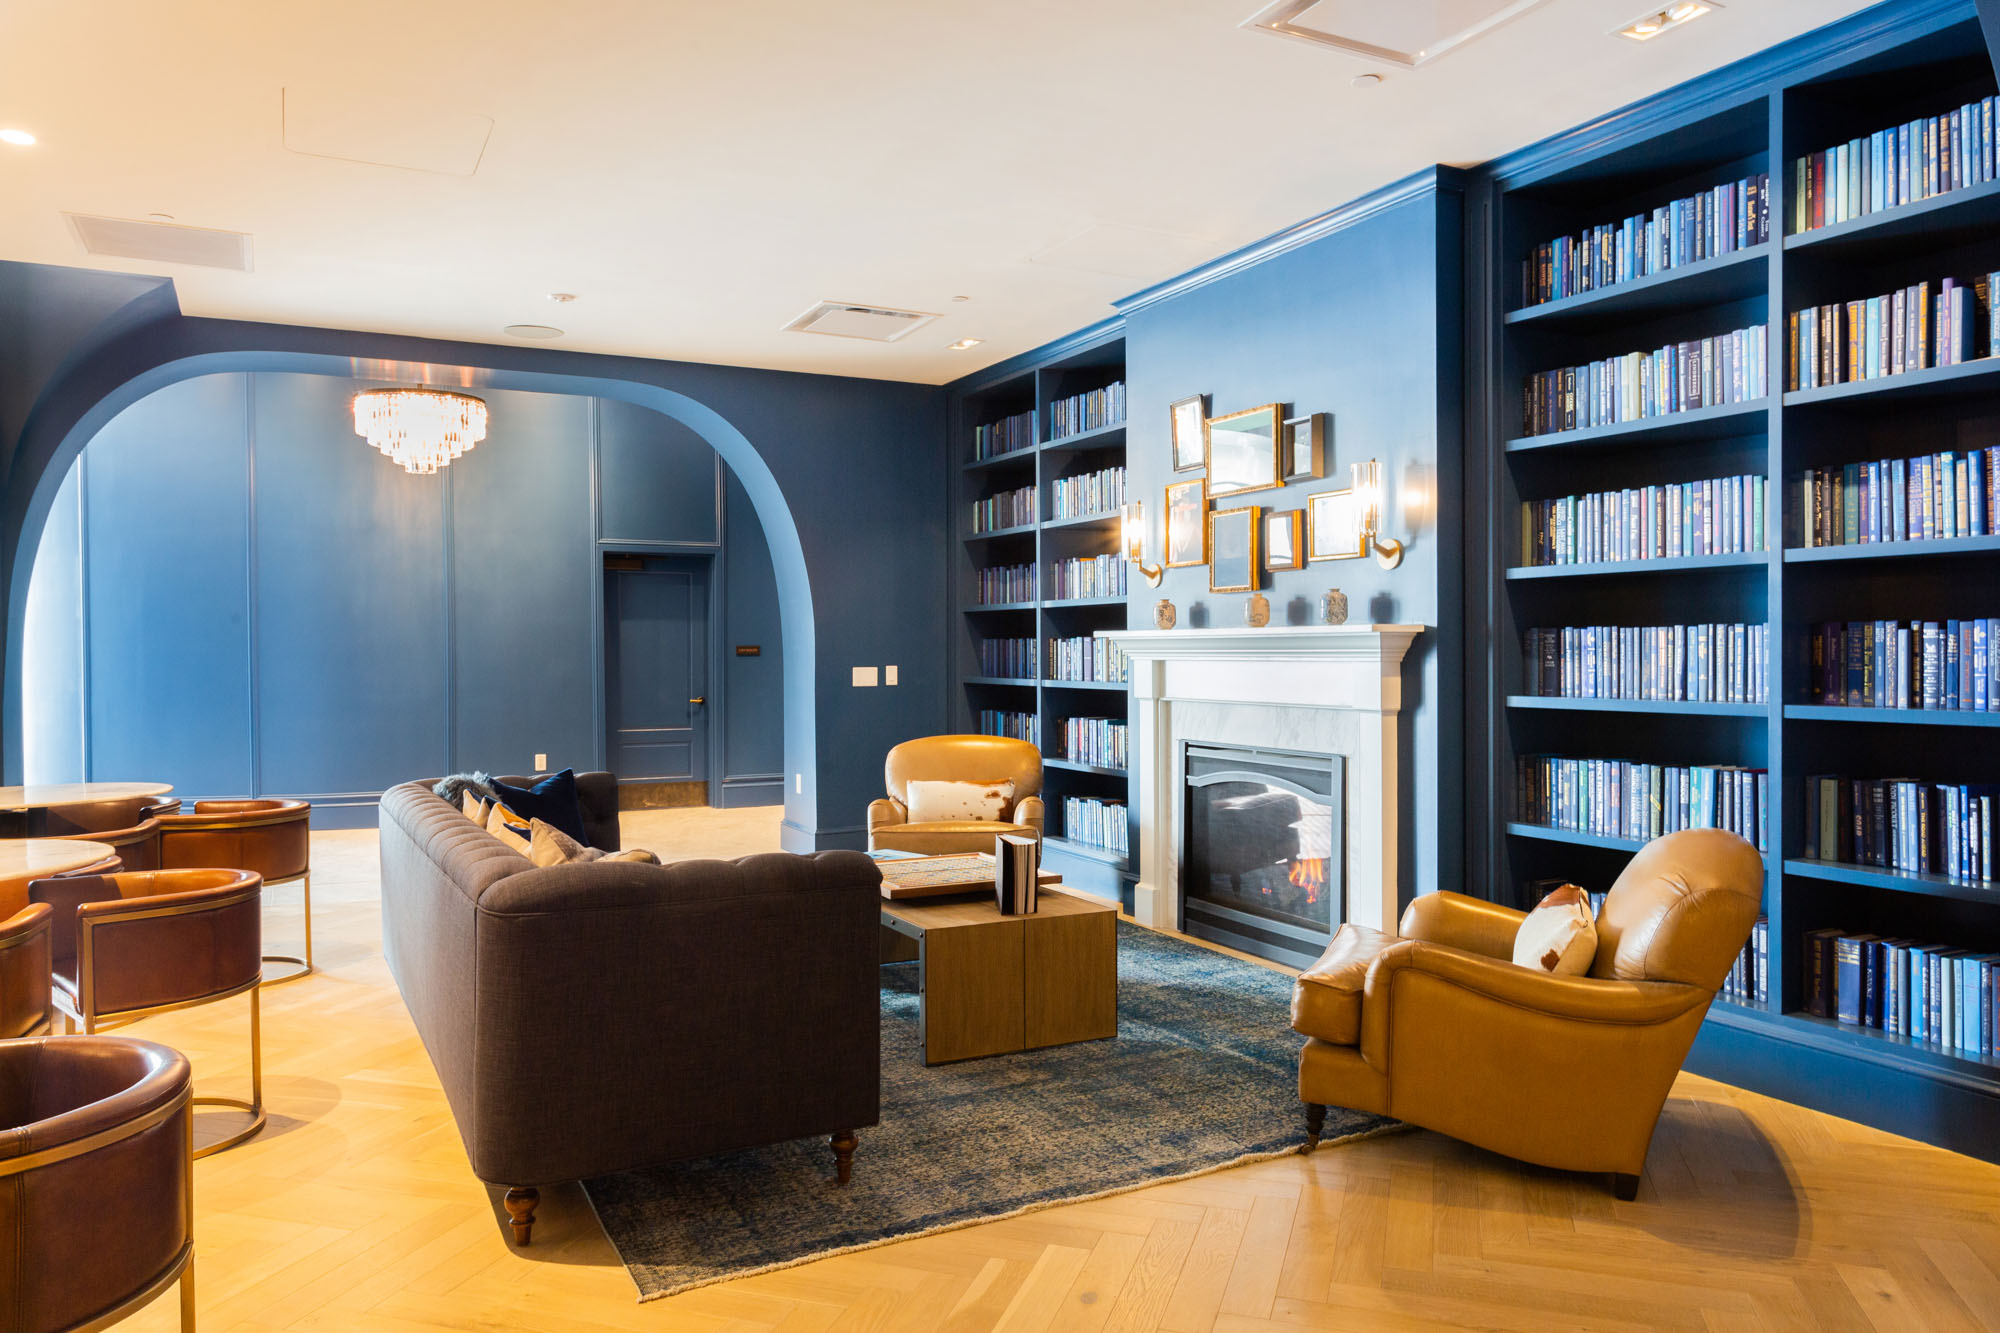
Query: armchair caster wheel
x=1624 y=1186
x=1315 y=1122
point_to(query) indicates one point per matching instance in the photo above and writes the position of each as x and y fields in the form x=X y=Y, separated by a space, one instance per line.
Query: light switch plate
x=864 y=677
x=541 y=763
x=889 y=674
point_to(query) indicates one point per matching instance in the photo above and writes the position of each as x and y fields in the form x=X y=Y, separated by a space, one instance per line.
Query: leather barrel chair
x=129 y=945
x=24 y=972
x=96 y=1181
x=956 y=759
x=272 y=838
x=1440 y=1028
x=131 y=828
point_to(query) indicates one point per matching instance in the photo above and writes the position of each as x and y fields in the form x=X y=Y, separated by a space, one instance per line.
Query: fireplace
x=1263 y=861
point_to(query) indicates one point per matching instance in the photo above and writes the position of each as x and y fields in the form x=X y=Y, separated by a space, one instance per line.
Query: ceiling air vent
x=161 y=242
x=1409 y=35
x=840 y=319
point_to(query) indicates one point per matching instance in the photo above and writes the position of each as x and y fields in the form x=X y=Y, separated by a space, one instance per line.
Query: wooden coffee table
x=990 y=983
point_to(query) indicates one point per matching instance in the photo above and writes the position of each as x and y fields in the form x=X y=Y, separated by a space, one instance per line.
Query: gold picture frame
x=1235 y=549
x=1186 y=420
x=1244 y=451
x=1187 y=523
x=1285 y=539
x=1334 y=526
x=1306 y=439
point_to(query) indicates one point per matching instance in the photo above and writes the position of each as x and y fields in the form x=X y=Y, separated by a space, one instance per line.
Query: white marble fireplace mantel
x=1333 y=689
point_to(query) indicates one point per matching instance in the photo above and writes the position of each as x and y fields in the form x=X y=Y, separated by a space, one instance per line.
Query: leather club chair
x=96 y=1181
x=24 y=972
x=126 y=946
x=956 y=759
x=1441 y=1029
x=130 y=828
x=271 y=838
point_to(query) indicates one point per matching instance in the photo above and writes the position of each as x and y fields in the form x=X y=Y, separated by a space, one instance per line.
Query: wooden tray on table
x=907 y=877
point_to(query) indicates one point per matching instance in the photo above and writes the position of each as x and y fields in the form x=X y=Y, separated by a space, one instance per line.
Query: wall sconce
x=1367 y=481
x=1135 y=543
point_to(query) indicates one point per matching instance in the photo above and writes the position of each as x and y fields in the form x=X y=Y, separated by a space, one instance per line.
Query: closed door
x=656 y=658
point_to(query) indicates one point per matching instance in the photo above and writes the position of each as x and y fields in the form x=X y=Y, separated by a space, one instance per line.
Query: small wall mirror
x=1244 y=451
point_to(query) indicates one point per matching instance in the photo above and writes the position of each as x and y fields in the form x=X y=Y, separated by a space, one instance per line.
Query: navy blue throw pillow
x=552 y=800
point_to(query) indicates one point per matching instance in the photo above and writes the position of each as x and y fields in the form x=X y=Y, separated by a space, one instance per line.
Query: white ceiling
x=701 y=174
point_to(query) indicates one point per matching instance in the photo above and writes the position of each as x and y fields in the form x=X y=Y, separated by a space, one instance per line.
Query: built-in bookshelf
x=1659 y=636
x=1047 y=511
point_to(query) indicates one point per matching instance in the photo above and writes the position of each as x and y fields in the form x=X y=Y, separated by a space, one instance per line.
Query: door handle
x=698 y=699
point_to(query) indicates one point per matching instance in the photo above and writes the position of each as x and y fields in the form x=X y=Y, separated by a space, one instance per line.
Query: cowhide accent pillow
x=943 y=802
x=1560 y=936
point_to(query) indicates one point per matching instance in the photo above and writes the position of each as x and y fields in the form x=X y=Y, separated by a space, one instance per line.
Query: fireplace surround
x=1311 y=689
x=1262 y=867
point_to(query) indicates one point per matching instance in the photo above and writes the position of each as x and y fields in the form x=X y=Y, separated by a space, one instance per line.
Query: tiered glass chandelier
x=422 y=429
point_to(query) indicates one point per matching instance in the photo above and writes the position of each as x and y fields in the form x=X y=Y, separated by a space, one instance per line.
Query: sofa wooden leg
x=842 y=1143
x=1315 y=1122
x=521 y=1204
x=1624 y=1186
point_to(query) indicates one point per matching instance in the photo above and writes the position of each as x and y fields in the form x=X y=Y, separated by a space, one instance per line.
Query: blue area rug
x=1202 y=1075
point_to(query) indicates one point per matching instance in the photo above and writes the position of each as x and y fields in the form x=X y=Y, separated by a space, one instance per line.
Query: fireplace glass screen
x=1262 y=864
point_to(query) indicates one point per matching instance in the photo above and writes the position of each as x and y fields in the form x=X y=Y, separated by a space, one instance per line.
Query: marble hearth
x=1326 y=689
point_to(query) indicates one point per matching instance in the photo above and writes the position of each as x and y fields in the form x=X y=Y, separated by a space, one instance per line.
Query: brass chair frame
x=86 y=1014
x=181 y=1268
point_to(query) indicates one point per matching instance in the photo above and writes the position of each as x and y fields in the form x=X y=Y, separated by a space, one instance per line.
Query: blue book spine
x=1848 y=999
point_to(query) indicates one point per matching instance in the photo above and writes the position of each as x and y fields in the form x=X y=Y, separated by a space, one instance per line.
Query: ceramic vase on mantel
x=1257 y=611
x=1333 y=607
x=1163 y=614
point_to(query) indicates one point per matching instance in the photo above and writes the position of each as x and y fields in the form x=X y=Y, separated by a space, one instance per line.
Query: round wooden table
x=26 y=859
x=24 y=810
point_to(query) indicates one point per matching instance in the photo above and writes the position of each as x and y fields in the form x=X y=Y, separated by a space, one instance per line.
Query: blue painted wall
x=1362 y=324
x=242 y=597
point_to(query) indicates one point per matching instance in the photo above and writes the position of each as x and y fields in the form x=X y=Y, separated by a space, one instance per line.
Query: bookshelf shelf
x=978 y=608
x=1086 y=850
x=1574 y=837
x=1679 y=564
x=1944 y=546
x=1103 y=437
x=1943 y=217
x=1730 y=277
x=1918 y=717
x=1670 y=706
x=1071 y=766
x=1018 y=682
x=1081 y=521
x=1072 y=602
x=1018 y=530
x=1009 y=460
x=1118 y=685
x=1891 y=1047
x=1703 y=423
x=1967 y=377
x=1870 y=877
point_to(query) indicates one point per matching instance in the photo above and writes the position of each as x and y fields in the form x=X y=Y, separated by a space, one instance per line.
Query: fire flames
x=1308 y=873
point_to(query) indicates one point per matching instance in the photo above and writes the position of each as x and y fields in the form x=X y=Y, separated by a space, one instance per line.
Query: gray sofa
x=597 y=1017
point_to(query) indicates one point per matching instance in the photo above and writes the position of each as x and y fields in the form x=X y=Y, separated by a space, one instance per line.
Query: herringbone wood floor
x=355 y=1210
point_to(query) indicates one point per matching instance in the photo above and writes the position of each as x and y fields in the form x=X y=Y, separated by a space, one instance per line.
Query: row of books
x=1087 y=658
x=1003 y=583
x=1096 y=823
x=1947 y=665
x=1087 y=411
x=1092 y=493
x=1620 y=799
x=1008 y=509
x=1717 y=221
x=1013 y=658
x=1721 y=663
x=1096 y=740
x=1927 y=992
x=1919 y=159
x=1680 y=377
x=1011 y=722
x=1920 y=828
x=1749 y=979
x=1009 y=435
x=1087 y=576
x=1913 y=328
x=1926 y=498
x=1719 y=516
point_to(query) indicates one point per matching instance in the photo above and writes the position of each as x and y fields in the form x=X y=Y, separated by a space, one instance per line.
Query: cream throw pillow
x=1559 y=937
x=941 y=802
x=510 y=831
x=550 y=846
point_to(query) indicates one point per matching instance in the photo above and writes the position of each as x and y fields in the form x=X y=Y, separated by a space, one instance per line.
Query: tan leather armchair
x=272 y=838
x=126 y=946
x=96 y=1182
x=956 y=759
x=1441 y=1029
x=129 y=827
x=24 y=972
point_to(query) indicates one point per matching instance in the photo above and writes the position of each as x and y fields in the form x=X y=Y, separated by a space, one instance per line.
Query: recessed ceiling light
x=964 y=344
x=562 y=298
x=1366 y=80
x=531 y=331
x=159 y=217
x=19 y=138
x=961 y=298
x=1650 y=25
